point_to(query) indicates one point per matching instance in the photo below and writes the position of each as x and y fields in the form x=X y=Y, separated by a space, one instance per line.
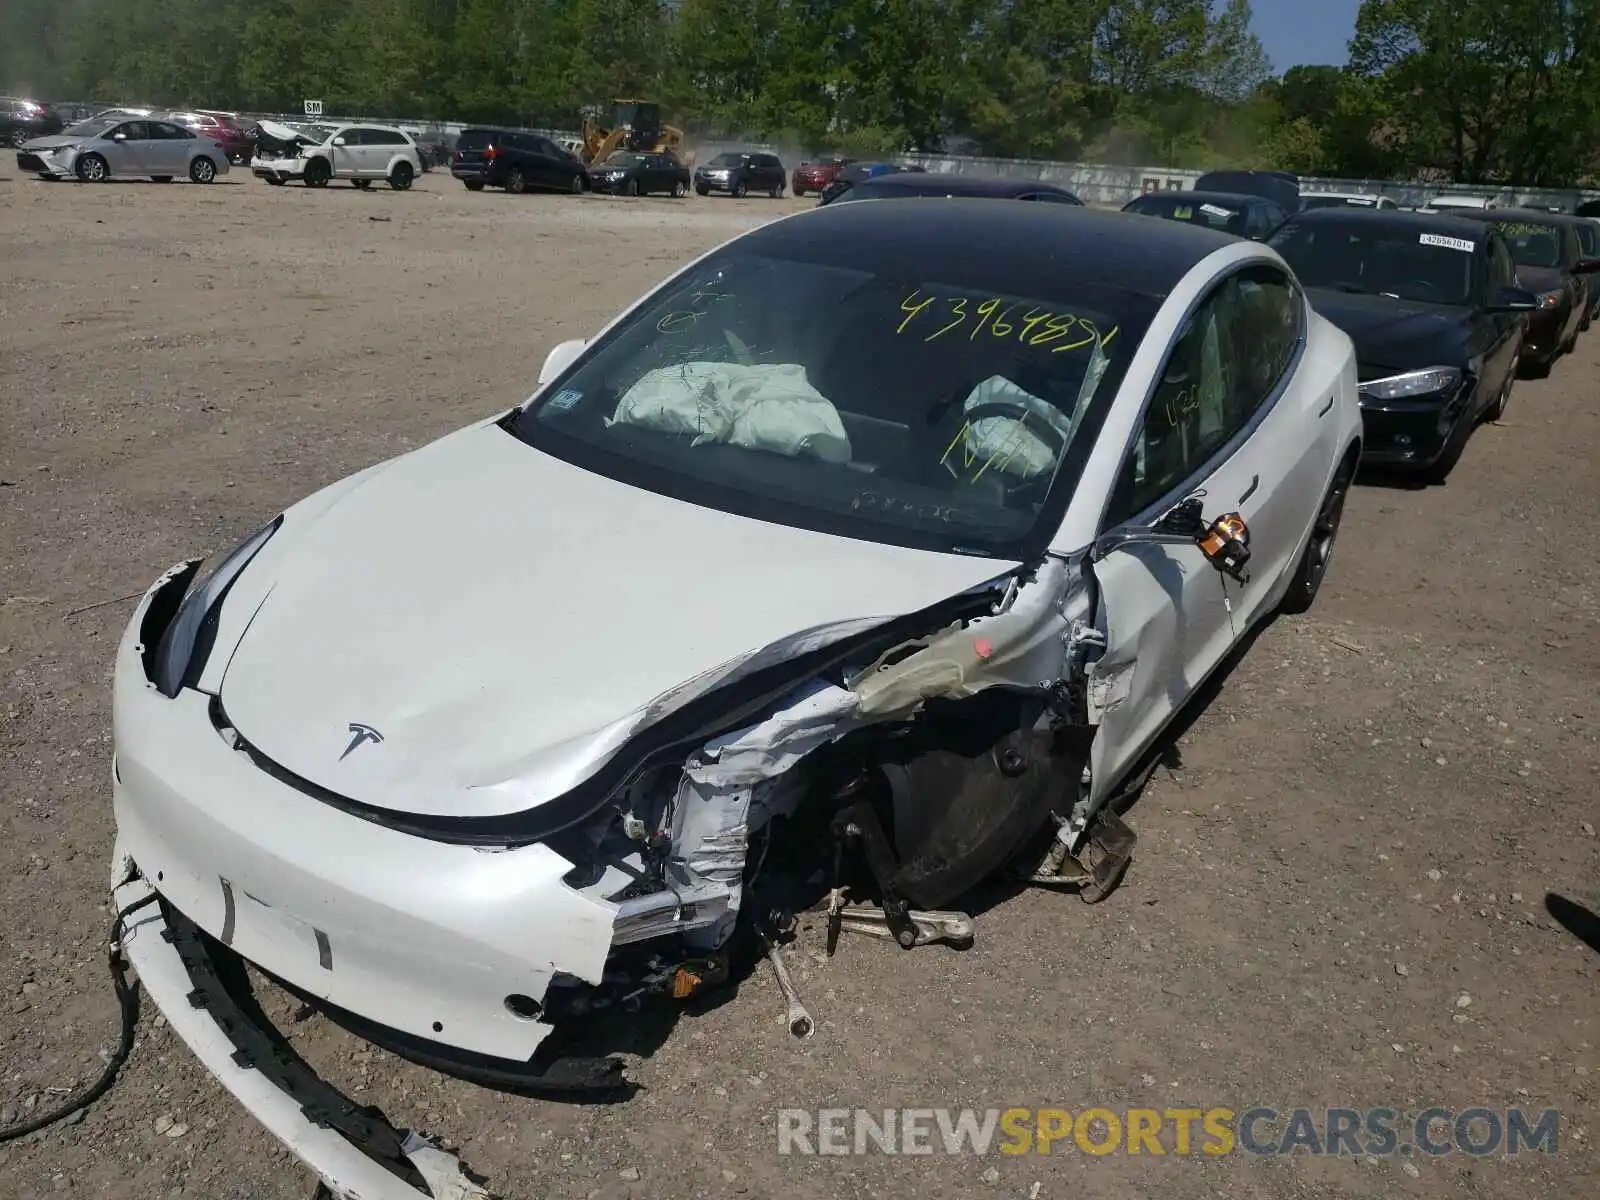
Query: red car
x=814 y=176
x=226 y=129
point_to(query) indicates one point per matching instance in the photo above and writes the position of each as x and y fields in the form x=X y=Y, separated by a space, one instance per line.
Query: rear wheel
x=577 y=185
x=202 y=170
x=91 y=168
x=473 y=185
x=317 y=173
x=740 y=191
x=1313 y=567
x=18 y=137
x=678 y=190
x=516 y=181
x=400 y=178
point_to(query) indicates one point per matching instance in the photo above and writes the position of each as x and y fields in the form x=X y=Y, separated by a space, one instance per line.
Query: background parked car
x=739 y=173
x=1550 y=263
x=23 y=120
x=1347 y=200
x=1438 y=322
x=1254 y=217
x=516 y=161
x=818 y=173
x=106 y=148
x=906 y=184
x=625 y=173
x=855 y=172
x=224 y=128
x=360 y=153
x=1281 y=187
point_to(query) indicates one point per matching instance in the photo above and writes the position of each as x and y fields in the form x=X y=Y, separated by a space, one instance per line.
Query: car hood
x=54 y=142
x=1400 y=335
x=505 y=621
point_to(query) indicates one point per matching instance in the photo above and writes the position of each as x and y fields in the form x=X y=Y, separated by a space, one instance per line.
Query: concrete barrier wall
x=1099 y=183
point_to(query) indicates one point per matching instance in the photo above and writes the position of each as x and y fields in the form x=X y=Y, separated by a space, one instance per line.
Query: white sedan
x=871 y=552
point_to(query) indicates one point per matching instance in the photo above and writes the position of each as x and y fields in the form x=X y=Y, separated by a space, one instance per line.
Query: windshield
x=1379 y=259
x=94 y=126
x=623 y=158
x=1532 y=244
x=1211 y=213
x=920 y=411
x=727 y=160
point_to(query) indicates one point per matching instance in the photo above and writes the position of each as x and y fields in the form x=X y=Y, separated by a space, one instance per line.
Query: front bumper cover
x=353 y=1149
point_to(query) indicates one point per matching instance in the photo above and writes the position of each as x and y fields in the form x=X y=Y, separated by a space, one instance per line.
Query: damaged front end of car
x=876 y=770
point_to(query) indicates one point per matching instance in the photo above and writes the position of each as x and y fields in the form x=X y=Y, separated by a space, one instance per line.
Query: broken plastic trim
x=364 y=1127
x=669 y=739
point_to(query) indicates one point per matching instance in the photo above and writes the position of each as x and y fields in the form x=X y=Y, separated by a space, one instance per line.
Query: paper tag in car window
x=1182 y=214
x=1449 y=243
x=564 y=400
x=1212 y=210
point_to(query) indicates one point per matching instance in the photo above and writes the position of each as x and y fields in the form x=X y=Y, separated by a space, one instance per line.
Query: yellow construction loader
x=635 y=125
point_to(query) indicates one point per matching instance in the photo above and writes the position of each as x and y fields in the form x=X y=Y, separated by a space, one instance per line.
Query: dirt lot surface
x=1339 y=896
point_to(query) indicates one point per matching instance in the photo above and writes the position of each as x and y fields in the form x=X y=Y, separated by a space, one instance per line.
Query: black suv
x=518 y=162
x=739 y=174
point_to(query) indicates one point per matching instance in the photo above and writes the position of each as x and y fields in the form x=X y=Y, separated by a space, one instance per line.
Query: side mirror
x=560 y=358
x=1512 y=300
x=1587 y=266
x=119 y=137
x=338 y=141
x=1225 y=542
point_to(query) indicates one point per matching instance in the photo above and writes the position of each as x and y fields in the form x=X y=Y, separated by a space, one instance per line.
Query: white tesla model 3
x=866 y=557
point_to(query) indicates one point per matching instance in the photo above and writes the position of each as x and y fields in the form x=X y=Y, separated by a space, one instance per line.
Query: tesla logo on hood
x=359 y=734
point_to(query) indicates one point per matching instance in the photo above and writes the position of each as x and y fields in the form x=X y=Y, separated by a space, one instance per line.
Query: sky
x=1296 y=32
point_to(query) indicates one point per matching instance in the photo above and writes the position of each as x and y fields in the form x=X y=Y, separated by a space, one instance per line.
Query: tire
x=740 y=191
x=516 y=181
x=700 y=191
x=202 y=170
x=1439 y=471
x=317 y=173
x=678 y=190
x=631 y=188
x=18 y=138
x=91 y=168
x=1498 y=409
x=1313 y=568
x=400 y=178
x=577 y=187
x=274 y=182
x=799 y=193
x=473 y=185
x=162 y=178
x=363 y=184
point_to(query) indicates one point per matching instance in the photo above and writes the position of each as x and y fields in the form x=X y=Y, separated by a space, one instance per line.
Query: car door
x=124 y=148
x=170 y=148
x=1232 y=421
x=555 y=169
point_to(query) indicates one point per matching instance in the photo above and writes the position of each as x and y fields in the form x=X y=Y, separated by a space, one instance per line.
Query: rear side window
x=384 y=137
x=1051 y=198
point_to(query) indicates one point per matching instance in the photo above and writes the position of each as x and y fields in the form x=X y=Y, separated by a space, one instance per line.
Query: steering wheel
x=1046 y=432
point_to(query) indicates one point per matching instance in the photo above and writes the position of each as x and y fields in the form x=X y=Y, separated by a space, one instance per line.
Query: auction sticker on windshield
x=1435 y=239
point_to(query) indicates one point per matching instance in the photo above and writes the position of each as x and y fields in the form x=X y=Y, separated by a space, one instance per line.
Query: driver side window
x=1226 y=364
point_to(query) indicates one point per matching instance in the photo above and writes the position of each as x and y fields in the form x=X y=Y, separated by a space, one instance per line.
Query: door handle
x=1255 y=482
x=1326 y=408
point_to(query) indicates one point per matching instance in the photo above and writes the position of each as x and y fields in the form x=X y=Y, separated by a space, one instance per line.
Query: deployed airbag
x=761 y=406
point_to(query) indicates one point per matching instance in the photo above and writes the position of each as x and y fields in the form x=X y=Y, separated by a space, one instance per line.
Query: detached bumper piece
x=353 y=1149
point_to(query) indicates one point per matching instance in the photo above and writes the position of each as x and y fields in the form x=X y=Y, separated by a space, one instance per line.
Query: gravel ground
x=1339 y=894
